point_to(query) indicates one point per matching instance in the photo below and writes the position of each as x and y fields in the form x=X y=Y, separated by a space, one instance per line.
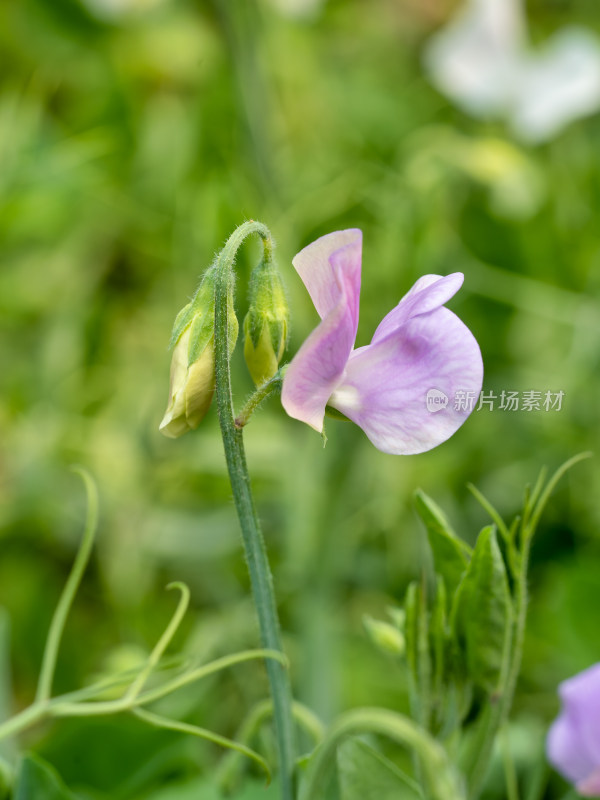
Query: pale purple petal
x=319 y=365
x=314 y=266
x=566 y=751
x=427 y=294
x=574 y=738
x=385 y=387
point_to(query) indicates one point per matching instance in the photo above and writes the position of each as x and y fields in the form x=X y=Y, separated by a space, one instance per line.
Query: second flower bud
x=267 y=322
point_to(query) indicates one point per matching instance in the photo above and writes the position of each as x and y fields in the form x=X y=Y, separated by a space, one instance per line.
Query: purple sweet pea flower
x=574 y=739
x=421 y=351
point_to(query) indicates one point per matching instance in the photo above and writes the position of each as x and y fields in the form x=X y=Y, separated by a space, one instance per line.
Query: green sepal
x=332 y=412
x=451 y=555
x=278 y=331
x=267 y=322
x=481 y=620
x=201 y=333
x=182 y=320
x=253 y=326
x=202 y=304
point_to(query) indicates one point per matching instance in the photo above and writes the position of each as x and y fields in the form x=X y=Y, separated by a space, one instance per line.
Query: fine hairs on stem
x=254 y=545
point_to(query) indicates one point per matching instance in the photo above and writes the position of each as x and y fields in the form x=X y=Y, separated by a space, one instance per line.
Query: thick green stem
x=256 y=555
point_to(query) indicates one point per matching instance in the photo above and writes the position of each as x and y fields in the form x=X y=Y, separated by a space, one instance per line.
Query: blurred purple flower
x=574 y=738
x=399 y=389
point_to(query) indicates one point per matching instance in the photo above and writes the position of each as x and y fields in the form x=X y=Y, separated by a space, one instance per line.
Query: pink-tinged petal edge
x=316 y=270
x=330 y=269
x=384 y=389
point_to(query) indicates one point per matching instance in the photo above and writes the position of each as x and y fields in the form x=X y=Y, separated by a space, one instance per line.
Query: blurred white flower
x=483 y=62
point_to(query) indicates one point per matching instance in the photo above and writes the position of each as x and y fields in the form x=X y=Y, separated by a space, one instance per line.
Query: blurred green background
x=134 y=137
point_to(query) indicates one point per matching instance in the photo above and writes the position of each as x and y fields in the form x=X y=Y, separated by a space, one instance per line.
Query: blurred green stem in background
x=254 y=545
x=518 y=539
x=441 y=779
x=85 y=702
x=44 y=688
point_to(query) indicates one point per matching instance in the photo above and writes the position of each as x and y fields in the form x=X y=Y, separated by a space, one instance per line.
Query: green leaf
x=482 y=613
x=189 y=790
x=450 y=554
x=37 y=780
x=365 y=774
x=257 y=790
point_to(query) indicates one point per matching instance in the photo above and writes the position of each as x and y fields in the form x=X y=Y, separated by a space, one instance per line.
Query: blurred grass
x=131 y=145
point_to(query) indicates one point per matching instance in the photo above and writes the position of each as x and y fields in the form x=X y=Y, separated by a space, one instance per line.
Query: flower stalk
x=254 y=545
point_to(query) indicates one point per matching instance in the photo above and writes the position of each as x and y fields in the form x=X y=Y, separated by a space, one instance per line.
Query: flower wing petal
x=315 y=267
x=385 y=387
x=428 y=293
x=319 y=365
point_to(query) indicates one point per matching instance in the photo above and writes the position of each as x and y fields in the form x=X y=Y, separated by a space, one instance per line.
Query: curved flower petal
x=581 y=698
x=316 y=269
x=427 y=294
x=566 y=751
x=385 y=387
x=333 y=281
x=574 y=738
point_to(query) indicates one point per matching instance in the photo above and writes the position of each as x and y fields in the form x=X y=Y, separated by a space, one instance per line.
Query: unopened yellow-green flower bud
x=192 y=383
x=266 y=323
x=191 y=387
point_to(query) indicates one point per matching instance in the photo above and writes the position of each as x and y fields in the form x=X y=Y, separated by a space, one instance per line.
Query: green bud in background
x=266 y=323
x=192 y=383
x=385 y=636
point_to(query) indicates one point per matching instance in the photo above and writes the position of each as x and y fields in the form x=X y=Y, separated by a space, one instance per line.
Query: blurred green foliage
x=132 y=142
